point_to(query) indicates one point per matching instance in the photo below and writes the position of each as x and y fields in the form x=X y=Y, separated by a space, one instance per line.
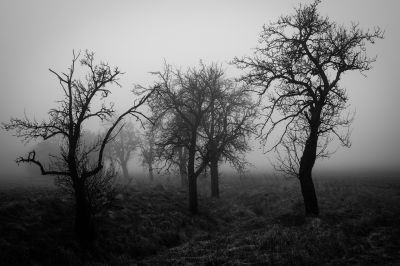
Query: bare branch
x=31 y=158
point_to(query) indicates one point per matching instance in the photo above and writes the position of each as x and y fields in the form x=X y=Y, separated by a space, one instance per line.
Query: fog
x=137 y=36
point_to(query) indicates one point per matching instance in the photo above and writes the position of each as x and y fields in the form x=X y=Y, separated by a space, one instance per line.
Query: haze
x=137 y=36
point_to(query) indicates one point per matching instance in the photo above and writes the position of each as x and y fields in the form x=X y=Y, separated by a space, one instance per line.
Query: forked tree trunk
x=84 y=224
x=214 y=178
x=305 y=173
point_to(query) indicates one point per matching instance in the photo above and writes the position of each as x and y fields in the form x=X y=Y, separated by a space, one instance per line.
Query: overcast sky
x=137 y=36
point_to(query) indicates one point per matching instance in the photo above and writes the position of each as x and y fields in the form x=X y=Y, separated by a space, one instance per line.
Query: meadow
x=258 y=220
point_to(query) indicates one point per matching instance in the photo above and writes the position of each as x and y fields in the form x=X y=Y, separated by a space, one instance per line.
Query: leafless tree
x=182 y=94
x=172 y=145
x=297 y=66
x=228 y=126
x=66 y=121
x=122 y=146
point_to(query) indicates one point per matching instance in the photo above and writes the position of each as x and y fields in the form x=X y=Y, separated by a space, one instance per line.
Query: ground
x=258 y=220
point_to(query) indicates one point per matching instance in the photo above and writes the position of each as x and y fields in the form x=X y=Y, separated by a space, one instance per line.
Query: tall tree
x=184 y=95
x=227 y=127
x=67 y=122
x=298 y=65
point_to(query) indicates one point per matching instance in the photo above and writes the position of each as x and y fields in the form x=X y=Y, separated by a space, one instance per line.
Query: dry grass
x=257 y=221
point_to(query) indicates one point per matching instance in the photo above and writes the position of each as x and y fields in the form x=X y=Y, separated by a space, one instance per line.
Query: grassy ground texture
x=257 y=221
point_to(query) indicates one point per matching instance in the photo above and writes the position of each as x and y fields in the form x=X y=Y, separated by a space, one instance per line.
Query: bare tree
x=122 y=146
x=148 y=149
x=172 y=145
x=66 y=122
x=183 y=94
x=227 y=127
x=224 y=123
x=298 y=65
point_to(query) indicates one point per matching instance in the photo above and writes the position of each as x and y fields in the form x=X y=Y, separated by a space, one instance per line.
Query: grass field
x=257 y=221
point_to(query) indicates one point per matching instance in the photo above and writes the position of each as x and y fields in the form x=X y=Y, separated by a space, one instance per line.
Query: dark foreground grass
x=257 y=221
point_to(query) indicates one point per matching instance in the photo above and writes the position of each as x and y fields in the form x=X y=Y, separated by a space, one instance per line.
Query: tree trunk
x=193 y=205
x=193 y=208
x=305 y=173
x=184 y=177
x=182 y=152
x=84 y=225
x=151 y=176
x=308 y=192
x=125 y=170
x=214 y=178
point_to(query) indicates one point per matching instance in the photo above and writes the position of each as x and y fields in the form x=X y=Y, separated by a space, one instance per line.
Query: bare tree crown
x=299 y=62
x=297 y=67
x=74 y=109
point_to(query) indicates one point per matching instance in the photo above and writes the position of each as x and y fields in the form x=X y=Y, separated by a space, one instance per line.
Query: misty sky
x=137 y=36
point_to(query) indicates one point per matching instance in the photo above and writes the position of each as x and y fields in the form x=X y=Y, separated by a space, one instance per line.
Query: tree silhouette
x=67 y=122
x=227 y=126
x=122 y=146
x=297 y=66
x=172 y=144
x=184 y=95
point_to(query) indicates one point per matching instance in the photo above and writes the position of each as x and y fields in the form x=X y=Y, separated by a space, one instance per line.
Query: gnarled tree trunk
x=305 y=172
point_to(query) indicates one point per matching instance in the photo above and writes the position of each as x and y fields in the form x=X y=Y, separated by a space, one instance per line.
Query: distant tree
x=148 y=149
x=172 y=145
x=298 y=65
x=121 y=147
x=66 y=122
x=183 y=94
x=228 y=126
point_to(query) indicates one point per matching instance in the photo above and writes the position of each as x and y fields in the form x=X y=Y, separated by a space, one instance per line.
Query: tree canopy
x=297 y=68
